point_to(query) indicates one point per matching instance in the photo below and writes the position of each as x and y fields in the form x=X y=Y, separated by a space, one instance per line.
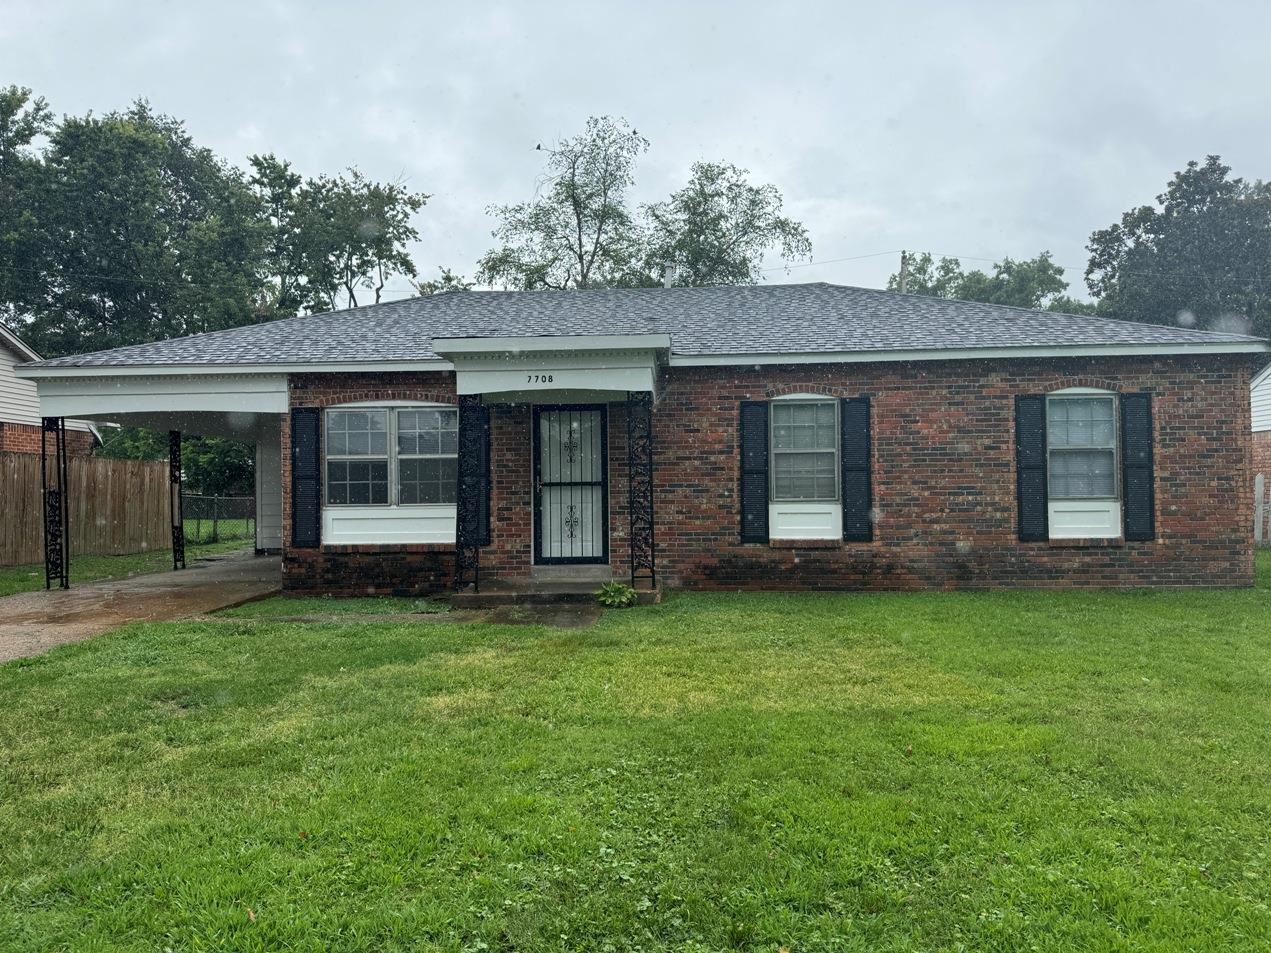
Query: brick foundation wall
x=944 y=482
x=25 y=438
x=1262 y=453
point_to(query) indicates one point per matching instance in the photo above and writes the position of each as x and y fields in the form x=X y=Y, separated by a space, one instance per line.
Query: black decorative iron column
x=175 y=506
x=469 y=493
x=640 y=484
x=57 y=522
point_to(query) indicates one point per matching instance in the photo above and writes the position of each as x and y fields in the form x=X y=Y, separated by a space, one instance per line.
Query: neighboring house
x=1260 y=414
x=20 y=406
x=796 y=436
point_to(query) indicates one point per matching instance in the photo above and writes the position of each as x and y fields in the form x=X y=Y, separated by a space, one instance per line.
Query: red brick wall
x=362 y=570
x=25 y=438
x=944 y=478
x=943 y=472
x=1262 y=453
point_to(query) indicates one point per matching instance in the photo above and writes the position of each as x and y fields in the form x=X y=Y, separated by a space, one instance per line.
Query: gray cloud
x=983 y=129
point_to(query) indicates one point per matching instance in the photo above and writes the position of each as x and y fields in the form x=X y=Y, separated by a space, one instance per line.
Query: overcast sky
x=976 y=129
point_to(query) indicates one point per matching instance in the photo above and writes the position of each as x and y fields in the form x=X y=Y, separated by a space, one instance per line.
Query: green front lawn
x=1003 y=771
x=95 y=568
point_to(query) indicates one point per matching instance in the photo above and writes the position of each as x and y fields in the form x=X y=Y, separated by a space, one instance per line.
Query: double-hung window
x=804 y=450
x=1081 y=446
x=1083 y=477
x=391 y=456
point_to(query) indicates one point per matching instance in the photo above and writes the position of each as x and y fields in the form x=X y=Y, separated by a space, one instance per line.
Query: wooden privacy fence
x=1261 y=511
x=116 y=507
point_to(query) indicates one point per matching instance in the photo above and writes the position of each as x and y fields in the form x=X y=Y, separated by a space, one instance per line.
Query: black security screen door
x=571 y=486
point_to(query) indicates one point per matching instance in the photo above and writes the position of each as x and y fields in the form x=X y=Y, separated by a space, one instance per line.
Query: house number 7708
x=538 y=378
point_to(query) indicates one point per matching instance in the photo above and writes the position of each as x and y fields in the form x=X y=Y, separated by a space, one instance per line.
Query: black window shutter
x=1137 y=475
x=858 y=494
x=483 y=500
x=306 y=477
x=1030 y=466
x=754 y=471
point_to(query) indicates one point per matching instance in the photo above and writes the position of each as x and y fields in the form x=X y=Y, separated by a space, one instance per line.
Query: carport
x=245 y=407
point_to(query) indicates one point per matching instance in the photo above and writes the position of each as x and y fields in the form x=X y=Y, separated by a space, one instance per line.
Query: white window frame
x=392 y=523
x=806 y=519
x=398 y=456
x=386 y=458
x=1092 y=517
x=392 y=456
x=803 y=400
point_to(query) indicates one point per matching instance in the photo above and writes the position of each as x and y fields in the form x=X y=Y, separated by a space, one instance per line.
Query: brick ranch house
x=20 y=405
x=797 y=436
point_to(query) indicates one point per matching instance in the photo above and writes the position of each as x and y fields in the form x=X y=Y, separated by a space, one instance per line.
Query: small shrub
x=616 y=595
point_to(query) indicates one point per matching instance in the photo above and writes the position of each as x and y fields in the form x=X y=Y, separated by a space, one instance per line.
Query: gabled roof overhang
x=525 y=368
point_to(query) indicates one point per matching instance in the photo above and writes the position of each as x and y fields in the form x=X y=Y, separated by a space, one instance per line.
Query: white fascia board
x=1262 y=377
x=17 y=345
x=968 y=354
x=37 y=371
x=102 y=396
x=552 y=342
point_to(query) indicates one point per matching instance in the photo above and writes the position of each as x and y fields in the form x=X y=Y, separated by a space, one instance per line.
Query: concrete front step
x=533 y=591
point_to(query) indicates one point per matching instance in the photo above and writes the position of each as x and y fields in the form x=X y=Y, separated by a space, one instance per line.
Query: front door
x=571 y=484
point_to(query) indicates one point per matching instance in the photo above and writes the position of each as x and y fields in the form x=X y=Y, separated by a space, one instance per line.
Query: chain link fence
x=214 y=519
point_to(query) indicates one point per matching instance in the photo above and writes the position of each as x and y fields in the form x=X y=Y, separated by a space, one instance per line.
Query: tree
x=211 y=466
x=716 y=230
x=580 y=233
x=142 y=235
x=22 y=121
x=1031 y=283
x=354 y=236
x=1201 y=258
x=278 y=190
x=447 y=281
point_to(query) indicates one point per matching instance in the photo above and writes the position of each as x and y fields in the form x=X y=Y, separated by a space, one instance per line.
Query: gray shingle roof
x=764 y=319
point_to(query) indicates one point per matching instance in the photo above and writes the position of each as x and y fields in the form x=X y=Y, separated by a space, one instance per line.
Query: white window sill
x=1084 y=519
x=793 y=520
x=376 y=525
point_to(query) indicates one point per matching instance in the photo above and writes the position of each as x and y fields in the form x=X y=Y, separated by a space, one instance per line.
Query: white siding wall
x=269 y=489
x=18 y=401
x=1261 y=402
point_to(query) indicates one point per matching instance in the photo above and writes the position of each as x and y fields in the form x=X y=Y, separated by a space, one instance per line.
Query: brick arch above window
x=1095 y=383
x=413 y=395
x=804 y=390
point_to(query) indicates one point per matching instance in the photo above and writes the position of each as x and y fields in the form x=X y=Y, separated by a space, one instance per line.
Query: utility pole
x=904 y=272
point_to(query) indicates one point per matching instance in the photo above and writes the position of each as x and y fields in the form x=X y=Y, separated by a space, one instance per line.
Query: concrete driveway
x=34 y=622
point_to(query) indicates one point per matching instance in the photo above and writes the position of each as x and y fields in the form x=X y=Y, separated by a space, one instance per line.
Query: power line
x=832 y=261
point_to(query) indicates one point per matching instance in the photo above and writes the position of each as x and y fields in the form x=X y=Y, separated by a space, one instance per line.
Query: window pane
x=804 y=476
x=431 y=431
x=357 y=432
x=1083 y=474
x=337 y=482
x=427 y=480
x=803 y=426
x=1080 y=421
x=357 y=482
